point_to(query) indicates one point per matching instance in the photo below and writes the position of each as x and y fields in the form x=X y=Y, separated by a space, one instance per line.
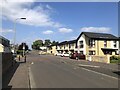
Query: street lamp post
x=23 y=49
x=15 y=31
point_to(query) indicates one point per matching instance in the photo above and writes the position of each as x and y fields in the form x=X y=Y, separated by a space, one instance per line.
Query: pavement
x=40 y=70
x=17 y=76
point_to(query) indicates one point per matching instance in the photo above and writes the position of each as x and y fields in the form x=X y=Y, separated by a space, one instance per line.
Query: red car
x=77 y=56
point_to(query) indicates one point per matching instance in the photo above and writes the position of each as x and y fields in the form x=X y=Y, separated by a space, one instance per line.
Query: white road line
x=99 y=73
x=89 y=65
x=32 y=82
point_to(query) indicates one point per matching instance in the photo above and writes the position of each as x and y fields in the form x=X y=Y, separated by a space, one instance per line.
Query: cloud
x=65 y=30
x=96 y=29
x=49 y=7
x=35 y=15
x=6 y=31
x=48 y=32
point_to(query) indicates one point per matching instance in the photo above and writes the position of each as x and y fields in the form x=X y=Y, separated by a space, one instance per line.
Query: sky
x=57 y=21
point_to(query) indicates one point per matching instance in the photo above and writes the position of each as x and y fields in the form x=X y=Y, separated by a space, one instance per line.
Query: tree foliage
x=37 y=44
x=47 y=42
x=54 y=43
x=20 y=47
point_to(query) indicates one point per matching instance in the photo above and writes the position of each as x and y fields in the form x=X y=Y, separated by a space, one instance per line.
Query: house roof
x=3 y=38
x=4 y=41
x=62 y=43
x=92 y=35
x=99 y=36
x=68 y=42
x=72 y=41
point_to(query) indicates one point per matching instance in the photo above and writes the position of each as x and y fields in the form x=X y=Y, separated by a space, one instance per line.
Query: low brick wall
x=7 y=61
x=103 y=59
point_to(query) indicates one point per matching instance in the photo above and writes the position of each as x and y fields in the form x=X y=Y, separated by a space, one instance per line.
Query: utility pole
x=15 y=32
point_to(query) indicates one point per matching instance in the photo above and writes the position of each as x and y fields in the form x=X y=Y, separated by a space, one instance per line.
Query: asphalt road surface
x=46 y=71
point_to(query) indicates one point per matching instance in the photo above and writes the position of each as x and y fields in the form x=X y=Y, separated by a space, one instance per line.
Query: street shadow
x=6 y=77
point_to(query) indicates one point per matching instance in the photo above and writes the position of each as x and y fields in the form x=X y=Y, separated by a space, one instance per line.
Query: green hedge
x=19 y=51
x=115 y=59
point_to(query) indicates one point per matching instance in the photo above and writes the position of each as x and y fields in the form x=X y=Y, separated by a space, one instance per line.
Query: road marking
x=99 y=73
x=31 y=78
x=89 y=65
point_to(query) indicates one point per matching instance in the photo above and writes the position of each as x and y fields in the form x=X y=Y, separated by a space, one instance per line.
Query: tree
x=20 y=47
x=37 y=44
x=54 y=43
x=47 y=42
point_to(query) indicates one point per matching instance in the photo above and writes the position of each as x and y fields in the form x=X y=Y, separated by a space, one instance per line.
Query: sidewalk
x=18 y=77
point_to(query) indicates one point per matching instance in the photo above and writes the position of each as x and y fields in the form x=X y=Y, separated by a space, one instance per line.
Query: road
x=46 y=71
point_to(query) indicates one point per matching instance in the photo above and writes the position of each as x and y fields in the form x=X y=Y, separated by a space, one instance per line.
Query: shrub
x=19 y=51
x=114 y=57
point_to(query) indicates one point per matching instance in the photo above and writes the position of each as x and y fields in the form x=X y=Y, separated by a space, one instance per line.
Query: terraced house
x=67 y=46
x=96 y=46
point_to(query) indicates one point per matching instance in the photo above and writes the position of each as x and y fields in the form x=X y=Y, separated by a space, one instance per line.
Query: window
x=81 y=44
x=117 y=52
x=56 y=47
x=91 y=52
x=60 y=47
x=105 y=43
x=108 y=52
x=64 y=46
x=69 y=45
x=115 y=44
x=91 y=43
x=81 y=52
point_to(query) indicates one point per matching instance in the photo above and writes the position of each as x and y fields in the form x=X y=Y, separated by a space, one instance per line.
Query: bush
x=119 y=57
x=19 y=51
x=115 y=59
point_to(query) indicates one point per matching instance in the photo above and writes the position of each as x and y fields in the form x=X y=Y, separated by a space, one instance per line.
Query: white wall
x=4 y=49
x=117 y=47
x=82 y=38
x=1 y=48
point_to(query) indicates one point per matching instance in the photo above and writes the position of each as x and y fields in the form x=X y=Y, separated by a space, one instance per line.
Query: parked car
x=42 y=53
x=65 y=55
x=58 y=54
x=77 y=56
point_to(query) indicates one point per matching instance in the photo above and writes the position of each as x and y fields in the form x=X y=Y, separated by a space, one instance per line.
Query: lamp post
x=23 y=49
x=15 y=31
